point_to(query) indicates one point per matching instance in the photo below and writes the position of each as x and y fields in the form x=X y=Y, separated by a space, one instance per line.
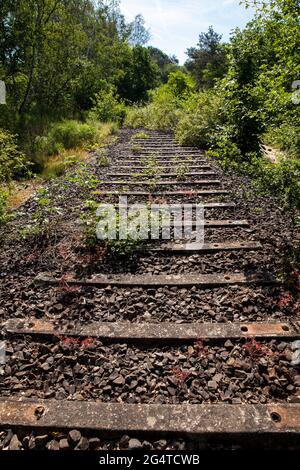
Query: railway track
x=186 y=346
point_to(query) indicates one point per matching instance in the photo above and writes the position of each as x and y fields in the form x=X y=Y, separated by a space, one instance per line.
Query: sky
x=175 y=25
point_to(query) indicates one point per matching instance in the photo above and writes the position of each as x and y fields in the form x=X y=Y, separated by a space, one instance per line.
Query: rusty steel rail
x=161 y=183
x=194 y=248
x=188 y=280
x=141 y=332
x=224 y=224
x=161 y=168
x=217 y=223
x=184 y=419
x=151 y=192
x=160 y=175
x=163 y=161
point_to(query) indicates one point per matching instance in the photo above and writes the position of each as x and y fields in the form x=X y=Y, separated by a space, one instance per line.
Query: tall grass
x=64 y=144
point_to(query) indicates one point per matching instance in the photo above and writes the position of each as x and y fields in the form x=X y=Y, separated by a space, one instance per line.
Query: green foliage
x=60 y=58
x=72 y=134
x=264 y=60
x=199 y=119
x=12 y=161
x=282 y=180
x=140 y=135
x=181 y=172
x=103 y=160
x=44 y=222
x=207 y=62
x=285 y=137
x=83 y=179
x=107 y=106
x=251 y=102
x=63 y=136
x=115 y=248
x=136 y=149
x=140 y=75
x=165 y=63
x=3 y=206
x=163 y=112
x=56 y=168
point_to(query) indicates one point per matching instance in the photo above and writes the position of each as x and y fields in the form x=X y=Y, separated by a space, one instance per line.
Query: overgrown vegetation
x=68 y=66
x=241 y=97
x=166 y=106
x=12 y=160
x=74 y=71
x=116 y=246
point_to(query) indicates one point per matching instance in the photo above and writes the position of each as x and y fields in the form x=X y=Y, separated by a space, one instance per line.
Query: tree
x=264 y=60
x=207 y=62
x=140 y=75
x=166 y=63
x=140 y=35
x=55 y=55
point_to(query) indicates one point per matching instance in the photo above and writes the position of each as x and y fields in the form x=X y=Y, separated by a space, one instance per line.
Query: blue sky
x=176 y=24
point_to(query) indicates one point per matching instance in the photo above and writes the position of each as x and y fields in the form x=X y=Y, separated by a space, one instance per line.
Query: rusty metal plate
x=191 y=248
x=138 y=168
x=194 y=192
x=161 y=183
x=166 y=159
x=141 y=332
x=187 y=280
x=162 y=153
x=166 y=148
x=216 y=223
x=160 y=175
x=139 y=418
x=213 y=223
x=225 y=223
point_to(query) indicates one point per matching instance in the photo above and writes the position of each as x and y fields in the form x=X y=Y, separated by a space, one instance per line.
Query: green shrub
x=72 y=134
x=3 y=205
x=58 y=166
x=162 y=113
x=200 y=118
x=137 y=117
x=12 y=161
x=140 y=135
x=67 y=135
x=45 y=146
x=166 y=103
x=286 y=137
x=282 y=179
x=63 y=136
x=107 y=107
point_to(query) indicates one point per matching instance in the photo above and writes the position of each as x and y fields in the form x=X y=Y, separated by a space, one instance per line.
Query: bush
x=63 y=158
x=162 y=113
x=282 y=179
x=12 y=161
x=286 y=137
x=200 y=118
x=137 y=117
x=107 y=107
x=140 y=135
x=164 y=110
x=3 y=204
x=72 y=134
x=63 y=136
x=68 y=135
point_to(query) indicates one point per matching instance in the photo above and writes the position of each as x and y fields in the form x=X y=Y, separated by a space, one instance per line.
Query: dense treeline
x=69 y=65
x=61 y=58
x=241 y=96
